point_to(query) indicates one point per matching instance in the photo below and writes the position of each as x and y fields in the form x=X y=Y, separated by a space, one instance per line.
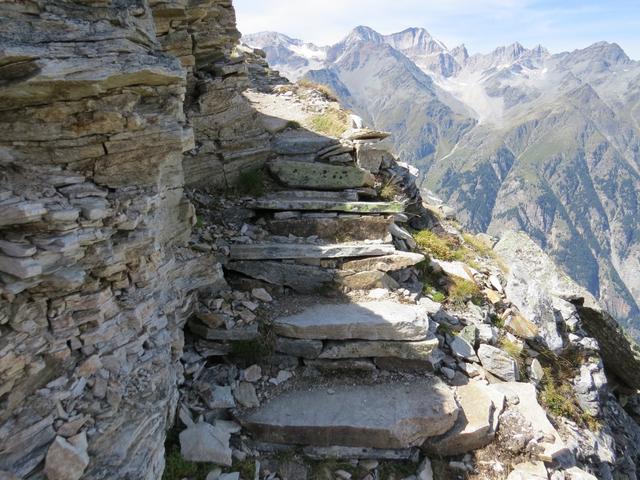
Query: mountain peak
x=415 y=40
x=364 y=33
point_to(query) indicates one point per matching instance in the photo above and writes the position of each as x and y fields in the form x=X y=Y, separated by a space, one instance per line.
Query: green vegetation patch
x=557 y=394
x=332 y=122
x=463 y=291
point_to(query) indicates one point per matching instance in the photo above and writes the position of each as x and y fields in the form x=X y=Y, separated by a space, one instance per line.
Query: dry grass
x=463 y=291
x=443 y=248
x=324 y=90
x=332 y=122
x=557 y=394
x=389 y=191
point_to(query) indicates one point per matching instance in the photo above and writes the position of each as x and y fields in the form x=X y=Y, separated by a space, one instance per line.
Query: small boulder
x=461 y=348
x=252 y=374
x=261 y=294
x=245 y=394
x=67 y=460
x=202 y=442
x=498 y=363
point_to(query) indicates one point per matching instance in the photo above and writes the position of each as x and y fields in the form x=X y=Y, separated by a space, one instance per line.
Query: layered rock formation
x=98 y=99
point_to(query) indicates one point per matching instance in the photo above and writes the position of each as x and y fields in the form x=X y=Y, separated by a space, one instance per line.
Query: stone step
x=389 y=416
x=279 y=251
x=384 y=320
x=386 y=263
x=351 y=228
x=345 y=195
x=320 y=175
x=296 y=142
x=301 y=278
x=419 y=350
x=327 y=205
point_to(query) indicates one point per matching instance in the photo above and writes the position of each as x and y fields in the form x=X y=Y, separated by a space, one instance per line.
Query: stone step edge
x=327 y=205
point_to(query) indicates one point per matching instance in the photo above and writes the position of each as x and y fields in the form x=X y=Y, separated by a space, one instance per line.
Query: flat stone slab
x=351 y=228
x=320 y=175
x=295 y=142
x=346 y=195
x=385 y=320
x=327 y=205
x=420 y=350
x=301 y=278
x=387 y=263
x=385 y=416
x=278 y=251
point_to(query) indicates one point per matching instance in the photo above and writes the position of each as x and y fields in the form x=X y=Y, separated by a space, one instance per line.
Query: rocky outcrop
x=95 y=284
x=535 y=280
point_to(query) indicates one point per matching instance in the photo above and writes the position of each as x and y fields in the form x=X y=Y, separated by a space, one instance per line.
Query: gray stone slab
x=345 y=195
x=392 y=415
x=419 y=350
x=298 y=347
x=329 y=205
x=352 y=228
x=320 y=175
x=387 y=263
x=278 y=251
x=347 y=453
x=297 y=142
x=385 y=320
x=301 y=278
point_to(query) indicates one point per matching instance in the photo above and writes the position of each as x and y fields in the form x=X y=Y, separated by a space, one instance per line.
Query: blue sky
x=480 y=24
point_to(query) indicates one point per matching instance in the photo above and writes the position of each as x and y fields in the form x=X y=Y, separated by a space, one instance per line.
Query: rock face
x=552 y=291
x=95 y=98
x=379 y=416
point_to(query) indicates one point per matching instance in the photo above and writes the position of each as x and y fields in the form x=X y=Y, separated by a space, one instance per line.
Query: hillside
x=501 y=136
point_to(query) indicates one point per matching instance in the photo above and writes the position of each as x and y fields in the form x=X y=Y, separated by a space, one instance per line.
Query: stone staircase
x=328 y=232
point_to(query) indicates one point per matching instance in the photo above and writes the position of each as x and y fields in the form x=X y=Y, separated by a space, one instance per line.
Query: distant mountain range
x=517 y=138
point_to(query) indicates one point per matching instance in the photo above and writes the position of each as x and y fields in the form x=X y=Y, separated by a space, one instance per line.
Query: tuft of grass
x=435 y=294
x=325 y=468
x=463 y=291
x=557 y=394
x=332 y=122
x=251 y=182
x=496 y=321
x=478 y=246
x=558 y=398
x=199 y=222
x=389 y=191
x=294 y=125
x=326 y=91
x=436 y=246
x=513 y=349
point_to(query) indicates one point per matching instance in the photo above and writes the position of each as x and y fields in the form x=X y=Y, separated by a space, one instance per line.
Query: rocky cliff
x=257 y=270
x=100 y=103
